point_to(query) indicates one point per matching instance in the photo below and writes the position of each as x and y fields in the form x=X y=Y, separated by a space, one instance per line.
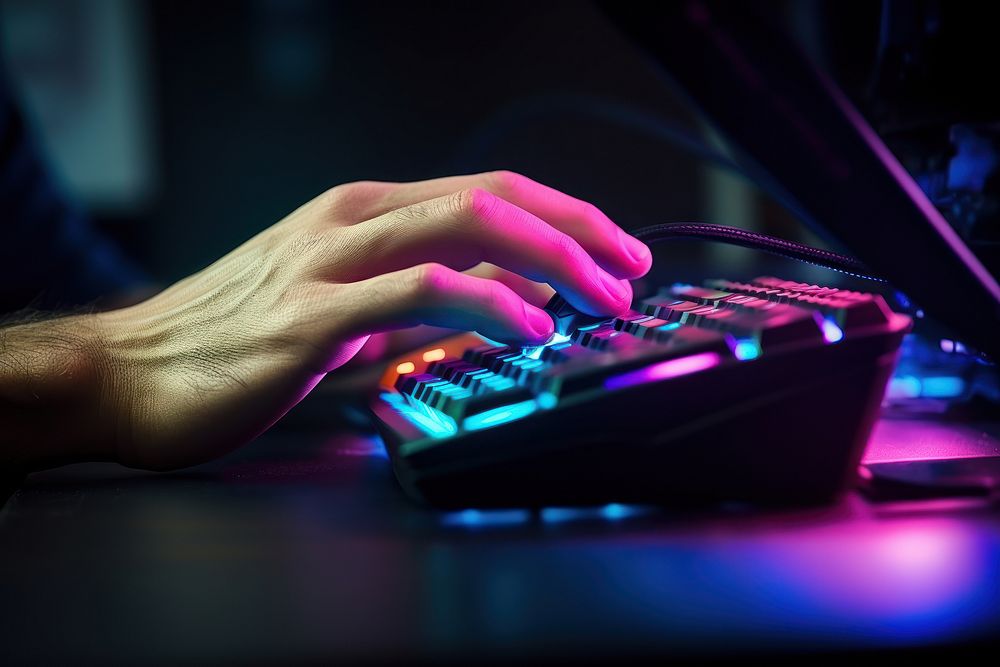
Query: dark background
x=186 y=127
x=231 y=114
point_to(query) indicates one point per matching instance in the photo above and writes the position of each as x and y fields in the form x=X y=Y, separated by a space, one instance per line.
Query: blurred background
x=186 y=127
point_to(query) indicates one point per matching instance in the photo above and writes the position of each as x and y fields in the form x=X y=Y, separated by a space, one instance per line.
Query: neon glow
x=664 y=370
x=746 y=349
x=905 y=386
x=405 y=367
x=437 y=354
x=831 y=332
x=669 y=327
x=563 y=514
x=535 y=351
x=615 y=511
x=501 y=415
x=909 y=386
x=432 y=422
x=942 y=387
x=475 y=518
x=611 y=512
x=546 y=400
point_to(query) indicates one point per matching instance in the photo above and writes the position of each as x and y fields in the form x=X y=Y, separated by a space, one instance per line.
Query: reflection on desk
x=300 y=547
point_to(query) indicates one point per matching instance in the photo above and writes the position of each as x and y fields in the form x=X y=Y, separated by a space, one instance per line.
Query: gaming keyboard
x=762 y=391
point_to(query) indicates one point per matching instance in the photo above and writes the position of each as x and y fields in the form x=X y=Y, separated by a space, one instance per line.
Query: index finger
x=611 y=247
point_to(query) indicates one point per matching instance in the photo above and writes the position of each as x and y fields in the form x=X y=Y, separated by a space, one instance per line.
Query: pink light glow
x=664 y=370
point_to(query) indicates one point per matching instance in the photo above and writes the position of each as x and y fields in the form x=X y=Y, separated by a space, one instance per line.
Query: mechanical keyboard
x=762 y=391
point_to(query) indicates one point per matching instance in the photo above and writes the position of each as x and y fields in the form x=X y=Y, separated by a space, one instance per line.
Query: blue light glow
x=909 y=386
x=379 y=449
x=905 y=386
x=535 y=351
x=831 y=332
x=563 y=514
x=669 y=327
x=589 y=327
x=546 y=400
x=746 y=349
x=432 y=422
x=431 y=426
x=943 y=387
x=615 y=511
x=476 y=518
x=501 y=415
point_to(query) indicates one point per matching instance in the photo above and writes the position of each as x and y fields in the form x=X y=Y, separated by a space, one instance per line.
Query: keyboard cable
x=703 y=231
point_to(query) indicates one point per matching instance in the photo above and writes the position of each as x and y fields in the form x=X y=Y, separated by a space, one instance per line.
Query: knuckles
x=567 y=247
x=505 y=182
x=589 y=212
x=429 y=281
x=501 y=299
x=352 y=199
x=476 y=206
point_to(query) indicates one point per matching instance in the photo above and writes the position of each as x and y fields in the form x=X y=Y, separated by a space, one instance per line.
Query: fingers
x=537 y=294
x=437 y=295
x=612 y=248
x=472 y=226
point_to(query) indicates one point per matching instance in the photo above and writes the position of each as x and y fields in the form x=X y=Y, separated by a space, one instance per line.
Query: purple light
x=931 y=214
x=831 y=332
x=664 y=370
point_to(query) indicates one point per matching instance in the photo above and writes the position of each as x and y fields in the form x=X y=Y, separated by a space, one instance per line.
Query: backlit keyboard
x=761 y=391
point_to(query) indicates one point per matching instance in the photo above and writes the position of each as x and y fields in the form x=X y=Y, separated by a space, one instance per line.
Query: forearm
x=52 y=409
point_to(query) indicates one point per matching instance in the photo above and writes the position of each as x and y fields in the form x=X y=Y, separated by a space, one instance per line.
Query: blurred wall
x=234 y=113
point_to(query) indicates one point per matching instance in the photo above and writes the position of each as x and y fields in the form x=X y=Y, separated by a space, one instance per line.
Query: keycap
x=496 y=399
x=668 y=308
x=596 y=339
x=628 y=321
x=587 y=369
x=408 y=384
x=566 y=318
x=475 y=355
x=559 y=354
x=449 y=399
x=850 y=311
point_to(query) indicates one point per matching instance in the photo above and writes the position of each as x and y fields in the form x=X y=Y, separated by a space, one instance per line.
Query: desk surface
x=300 y=547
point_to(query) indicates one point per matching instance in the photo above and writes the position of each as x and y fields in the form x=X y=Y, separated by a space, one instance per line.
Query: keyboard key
x=668 y=308
x=586 y=369
x=475 y=355
x=496 y=399
x=408 y=384
x=568 y=319
x=850 y=311
x=596 y=339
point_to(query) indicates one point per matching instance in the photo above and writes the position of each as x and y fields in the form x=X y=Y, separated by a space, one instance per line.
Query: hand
x=214 y=360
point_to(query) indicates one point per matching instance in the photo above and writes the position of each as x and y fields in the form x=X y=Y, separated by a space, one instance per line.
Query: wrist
x=52 y=404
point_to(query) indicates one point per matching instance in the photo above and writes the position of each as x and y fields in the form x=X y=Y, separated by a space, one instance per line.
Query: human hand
x=214 y=360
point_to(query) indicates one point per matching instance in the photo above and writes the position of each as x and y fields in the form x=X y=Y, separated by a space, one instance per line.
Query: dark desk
x=300 y=547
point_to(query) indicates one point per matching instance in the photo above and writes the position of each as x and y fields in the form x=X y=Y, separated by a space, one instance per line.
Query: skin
x=209 y=363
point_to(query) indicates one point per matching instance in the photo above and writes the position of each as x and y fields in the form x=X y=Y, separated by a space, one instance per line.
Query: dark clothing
x=50 y=256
